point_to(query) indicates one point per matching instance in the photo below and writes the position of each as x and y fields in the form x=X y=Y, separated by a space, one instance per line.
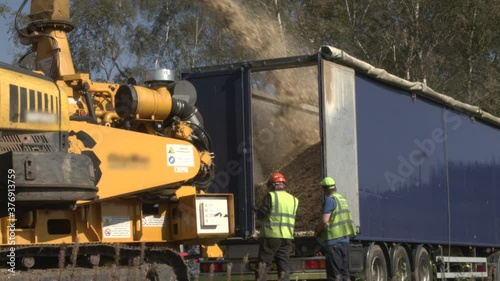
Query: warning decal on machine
x=181 y=169
x=153 y=221
x=116 y=227
x=180 y=155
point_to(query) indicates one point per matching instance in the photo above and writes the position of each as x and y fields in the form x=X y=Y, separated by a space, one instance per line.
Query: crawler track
x=94 y=261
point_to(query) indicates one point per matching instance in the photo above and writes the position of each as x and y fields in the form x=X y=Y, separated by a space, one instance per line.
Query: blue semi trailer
x=422 y=169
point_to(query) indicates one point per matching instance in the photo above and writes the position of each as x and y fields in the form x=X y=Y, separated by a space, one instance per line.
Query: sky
x=6 y=47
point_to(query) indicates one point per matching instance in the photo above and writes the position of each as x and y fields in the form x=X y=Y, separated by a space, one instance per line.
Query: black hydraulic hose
x=18 y=15
x=205 y=184
x=203 y=136
x=23 y=57
x=190 y=113
x=90 y=105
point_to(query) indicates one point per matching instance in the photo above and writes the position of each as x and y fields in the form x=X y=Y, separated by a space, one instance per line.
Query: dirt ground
x=303 y=175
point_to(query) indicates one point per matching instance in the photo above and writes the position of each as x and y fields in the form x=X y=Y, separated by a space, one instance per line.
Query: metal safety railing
x=461 y=267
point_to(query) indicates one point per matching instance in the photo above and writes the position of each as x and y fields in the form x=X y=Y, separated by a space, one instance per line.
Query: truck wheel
x=376 y=265
x=400 y=264
x=422 y=264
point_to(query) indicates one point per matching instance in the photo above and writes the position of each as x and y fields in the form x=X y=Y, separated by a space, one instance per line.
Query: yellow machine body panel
x=31 y=102
x=128 y=162
x=197 y=218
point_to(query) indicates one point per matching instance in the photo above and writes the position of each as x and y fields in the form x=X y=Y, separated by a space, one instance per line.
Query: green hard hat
x=328 y=183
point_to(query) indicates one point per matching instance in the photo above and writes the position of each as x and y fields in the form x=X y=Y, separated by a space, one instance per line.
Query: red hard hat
x=277 y=177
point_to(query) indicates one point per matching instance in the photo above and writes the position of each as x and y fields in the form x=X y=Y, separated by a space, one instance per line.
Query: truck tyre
x=376 y=265
x=422 y=264
x=400 y=264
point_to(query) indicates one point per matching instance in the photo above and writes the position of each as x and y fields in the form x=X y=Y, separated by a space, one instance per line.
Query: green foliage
x=450 y=45
x=117 y=41
x=98 y=42
x=4 y=10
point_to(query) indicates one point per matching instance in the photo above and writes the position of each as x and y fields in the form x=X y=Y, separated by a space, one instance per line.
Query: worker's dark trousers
x=337 y=262
x=276 y=248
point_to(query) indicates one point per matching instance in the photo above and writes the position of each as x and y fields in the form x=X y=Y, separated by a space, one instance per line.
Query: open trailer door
x=339 y=157
x=224 y=102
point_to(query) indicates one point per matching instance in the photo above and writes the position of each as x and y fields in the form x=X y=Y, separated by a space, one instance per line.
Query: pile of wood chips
x=303 y=175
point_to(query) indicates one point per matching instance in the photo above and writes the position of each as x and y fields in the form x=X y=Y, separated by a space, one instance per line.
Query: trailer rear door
x=338 y=131
x=224 y=102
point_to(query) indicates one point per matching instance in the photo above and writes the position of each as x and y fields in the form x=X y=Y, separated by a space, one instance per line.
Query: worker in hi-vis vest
x=335 y=229
x=277 y=216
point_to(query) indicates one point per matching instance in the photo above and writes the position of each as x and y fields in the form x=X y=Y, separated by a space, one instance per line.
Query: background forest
x=451 y=45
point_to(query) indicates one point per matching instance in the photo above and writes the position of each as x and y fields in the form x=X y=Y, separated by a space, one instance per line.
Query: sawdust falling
x=289 y=134
x=253 y=29
x=257 y=32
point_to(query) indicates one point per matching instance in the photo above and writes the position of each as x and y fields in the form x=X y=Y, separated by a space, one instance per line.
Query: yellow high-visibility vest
x=281 y=221
x=340 y=223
